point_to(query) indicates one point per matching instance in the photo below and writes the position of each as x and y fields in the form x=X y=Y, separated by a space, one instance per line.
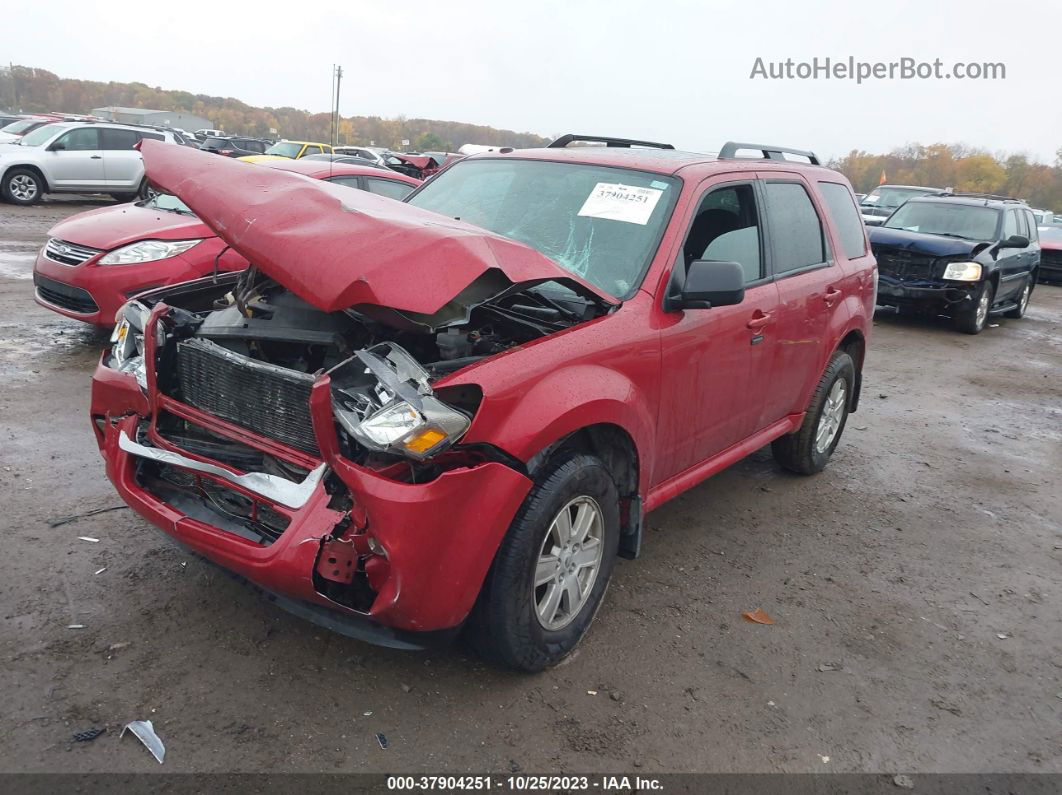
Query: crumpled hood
x=933 y=245
x=335 y=247
x=110 y=227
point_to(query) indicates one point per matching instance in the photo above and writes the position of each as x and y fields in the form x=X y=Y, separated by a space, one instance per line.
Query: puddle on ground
x=26 y=350
x=16 y=259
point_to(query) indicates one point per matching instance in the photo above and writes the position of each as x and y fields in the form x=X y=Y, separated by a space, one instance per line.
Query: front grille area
x=904 y=265
x=269 y=400
x=64 y=295
x=1051 y=258
x=68 y=253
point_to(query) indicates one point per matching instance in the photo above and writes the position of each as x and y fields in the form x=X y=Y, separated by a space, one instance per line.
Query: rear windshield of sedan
x=602 y=224
x=891 y=198
x=42 y=134
x=967 y=221
x=16 y=127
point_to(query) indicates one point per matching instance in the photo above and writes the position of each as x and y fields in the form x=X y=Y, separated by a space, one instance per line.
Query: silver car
x=76 y=157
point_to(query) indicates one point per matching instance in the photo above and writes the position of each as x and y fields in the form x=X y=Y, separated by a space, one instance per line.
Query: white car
x=202 y=135
x=364 y=152
x=76 y=157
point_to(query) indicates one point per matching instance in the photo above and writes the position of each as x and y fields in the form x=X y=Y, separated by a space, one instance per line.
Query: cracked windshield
x=602 y=224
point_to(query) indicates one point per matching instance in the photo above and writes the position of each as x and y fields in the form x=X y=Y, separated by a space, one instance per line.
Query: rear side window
x=796 y=232
x=117 y=139
x=390 y=188
x=845 y=217
x=350 y=182
x=1034 y=234
x=153 y=136
x=312 y=150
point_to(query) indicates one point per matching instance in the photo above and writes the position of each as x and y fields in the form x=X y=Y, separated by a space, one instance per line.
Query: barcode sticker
x=621 y=203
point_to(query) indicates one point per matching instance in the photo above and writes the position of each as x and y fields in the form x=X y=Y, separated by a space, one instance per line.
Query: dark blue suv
x=965 y=255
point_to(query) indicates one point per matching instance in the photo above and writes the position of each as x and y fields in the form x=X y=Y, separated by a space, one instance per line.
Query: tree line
x=960 y=167
x=26 y=89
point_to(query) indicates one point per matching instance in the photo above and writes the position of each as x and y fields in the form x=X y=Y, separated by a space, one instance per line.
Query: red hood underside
x=336 y=247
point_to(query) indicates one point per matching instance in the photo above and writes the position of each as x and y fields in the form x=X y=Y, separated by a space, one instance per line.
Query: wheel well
x=34 y=169
x=855 y=346
x=616 y=449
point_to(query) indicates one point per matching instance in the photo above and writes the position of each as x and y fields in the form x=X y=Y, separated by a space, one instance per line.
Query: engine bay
x=261 y=319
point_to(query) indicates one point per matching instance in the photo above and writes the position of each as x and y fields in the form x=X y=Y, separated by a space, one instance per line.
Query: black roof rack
x=730 y=149
x=564 y=140
x=986 y=196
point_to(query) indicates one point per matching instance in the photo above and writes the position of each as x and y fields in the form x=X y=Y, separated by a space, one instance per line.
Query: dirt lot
x=915 y=588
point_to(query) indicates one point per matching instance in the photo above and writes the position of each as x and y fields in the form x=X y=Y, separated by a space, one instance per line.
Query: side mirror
x=1015 y=241
x=708 y=283
x=58 y=146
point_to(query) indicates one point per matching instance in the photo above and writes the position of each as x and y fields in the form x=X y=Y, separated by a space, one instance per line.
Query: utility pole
x=337 y=79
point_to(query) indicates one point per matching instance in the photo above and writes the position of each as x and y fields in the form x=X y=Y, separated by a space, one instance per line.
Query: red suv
x=405 y=419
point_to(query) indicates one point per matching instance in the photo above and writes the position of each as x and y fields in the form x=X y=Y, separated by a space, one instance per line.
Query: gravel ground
x=911 y=585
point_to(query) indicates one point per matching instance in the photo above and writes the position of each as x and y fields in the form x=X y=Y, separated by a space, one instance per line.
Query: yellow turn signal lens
x=424 y=440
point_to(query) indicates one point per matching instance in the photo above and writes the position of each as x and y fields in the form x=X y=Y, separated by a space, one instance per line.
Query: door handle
x=95 y=157
x=758 y=320
x=831 y=296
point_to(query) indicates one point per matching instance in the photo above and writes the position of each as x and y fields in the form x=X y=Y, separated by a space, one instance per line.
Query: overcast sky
x=671 y=70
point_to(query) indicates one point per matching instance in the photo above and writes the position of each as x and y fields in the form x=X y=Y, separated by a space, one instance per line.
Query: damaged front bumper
x=929 y=293
x=359 y=552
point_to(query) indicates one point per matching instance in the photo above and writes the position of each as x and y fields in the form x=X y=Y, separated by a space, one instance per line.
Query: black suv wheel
x=1018 y=312
x=972 y=321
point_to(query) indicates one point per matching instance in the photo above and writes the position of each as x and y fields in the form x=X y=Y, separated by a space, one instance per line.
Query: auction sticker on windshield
x=621 y=203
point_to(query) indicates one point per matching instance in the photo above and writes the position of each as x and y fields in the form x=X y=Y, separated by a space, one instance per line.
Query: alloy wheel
x=832 y=415
x=982 y=307
x=568 y=563
x=23 y=187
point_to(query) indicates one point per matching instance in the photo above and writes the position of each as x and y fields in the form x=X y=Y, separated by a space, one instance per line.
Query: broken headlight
x=127 y=340
x=381 y=396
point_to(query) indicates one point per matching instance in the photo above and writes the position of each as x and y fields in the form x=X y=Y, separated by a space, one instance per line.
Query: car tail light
x=226 y=151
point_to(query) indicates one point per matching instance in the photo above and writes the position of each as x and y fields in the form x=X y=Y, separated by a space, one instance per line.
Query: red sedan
x=95 y=261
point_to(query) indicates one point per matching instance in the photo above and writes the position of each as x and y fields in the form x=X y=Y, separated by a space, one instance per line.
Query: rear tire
x=1018 y=312
x=973 y=320
x=516 y=621
x=23 y=186
x=808 y=450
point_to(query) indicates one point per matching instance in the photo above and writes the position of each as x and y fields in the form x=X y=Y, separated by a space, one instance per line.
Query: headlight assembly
x=963 y=272
x=147 y=251
x=383 y=399
x=127 y=340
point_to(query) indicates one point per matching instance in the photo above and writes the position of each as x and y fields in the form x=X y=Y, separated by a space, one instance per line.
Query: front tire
x=973 y=321
x=808 y=450
x=23 y=186
x=552 y=569
x=146 y=191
